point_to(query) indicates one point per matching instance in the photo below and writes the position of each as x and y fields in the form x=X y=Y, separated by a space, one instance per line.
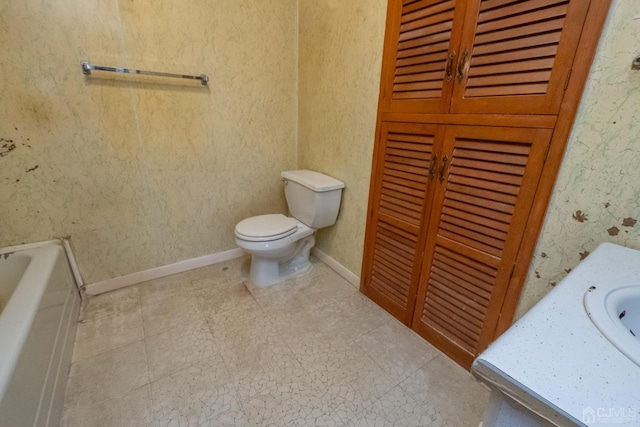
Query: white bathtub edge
x=27 y=246
x=21 y=309
x=343 y=271
x=163 y=271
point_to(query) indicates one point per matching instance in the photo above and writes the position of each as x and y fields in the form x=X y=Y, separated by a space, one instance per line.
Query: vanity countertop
x=556 y=362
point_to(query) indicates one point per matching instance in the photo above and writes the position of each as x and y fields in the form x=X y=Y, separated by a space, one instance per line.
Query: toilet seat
x=264 y=228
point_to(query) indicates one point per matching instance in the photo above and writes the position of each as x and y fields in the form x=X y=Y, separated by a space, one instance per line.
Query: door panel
x=419 y=69
x=477 y=223
x=516 y=55
x=399 y=202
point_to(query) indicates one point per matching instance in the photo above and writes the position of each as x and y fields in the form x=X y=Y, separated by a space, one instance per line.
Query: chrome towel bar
x=87 y=68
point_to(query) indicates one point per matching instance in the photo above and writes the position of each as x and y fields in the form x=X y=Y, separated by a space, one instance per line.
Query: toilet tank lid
x=315 y=181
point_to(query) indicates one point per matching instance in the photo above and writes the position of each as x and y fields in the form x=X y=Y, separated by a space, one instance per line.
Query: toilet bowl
x=280 y=245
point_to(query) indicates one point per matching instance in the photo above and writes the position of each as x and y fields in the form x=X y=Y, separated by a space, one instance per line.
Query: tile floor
x=205 y=348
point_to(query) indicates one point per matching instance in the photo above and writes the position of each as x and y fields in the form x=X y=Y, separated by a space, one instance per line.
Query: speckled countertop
x=555 y=361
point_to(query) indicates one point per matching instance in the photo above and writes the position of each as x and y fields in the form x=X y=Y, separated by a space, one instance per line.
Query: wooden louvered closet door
x=516 y=56
x=403 y=188
x=476 y=227
x=480 y=56
x=419 y=69
x=476 y=103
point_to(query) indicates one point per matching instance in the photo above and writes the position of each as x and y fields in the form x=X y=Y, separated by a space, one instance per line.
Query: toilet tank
x=313 y=198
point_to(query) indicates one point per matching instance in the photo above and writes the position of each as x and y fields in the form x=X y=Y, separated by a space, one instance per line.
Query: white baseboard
x=158 y=272
x=343 y=271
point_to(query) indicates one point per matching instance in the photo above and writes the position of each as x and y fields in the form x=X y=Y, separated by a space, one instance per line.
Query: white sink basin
x=616 y=313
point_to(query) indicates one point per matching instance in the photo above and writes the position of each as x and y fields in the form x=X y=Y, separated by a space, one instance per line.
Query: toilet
x=280 y=245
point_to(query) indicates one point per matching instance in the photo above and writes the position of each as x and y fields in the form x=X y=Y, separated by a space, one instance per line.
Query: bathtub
x=40 y=304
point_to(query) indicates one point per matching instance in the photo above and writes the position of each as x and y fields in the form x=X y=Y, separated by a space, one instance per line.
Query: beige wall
x=339 y=77
x=144 y=172
x=597 y=196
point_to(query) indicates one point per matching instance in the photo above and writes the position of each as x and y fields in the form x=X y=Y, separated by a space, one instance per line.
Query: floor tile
x=301 y=325
x=396 y=349
x=199 y=394
x=395 y=409
x=228 y=271
x=354 y=316
x=176 y=349
x=106 y=376
x=170 y=315
x=132 y=409
x=324 y=286
x=120 y=301
x=107 y=333
x=280 y=393
x=249 y=343
x=164 y=288
x=272 y=295
x=237 y=419
x=227 y=300
x=343 y=374
x=450 y=394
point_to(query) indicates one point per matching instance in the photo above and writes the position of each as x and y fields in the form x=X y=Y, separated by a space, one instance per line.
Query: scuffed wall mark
x=553 y=284
x=583 y=255
x=613 y=231
x=6 y=255
x=568 y=270
x=543 y=254
x=33 y=168
x=580 y=217
x=629 y=222
x=18 y=180
x=537 y=274
x=606 y=205
x=7 y=147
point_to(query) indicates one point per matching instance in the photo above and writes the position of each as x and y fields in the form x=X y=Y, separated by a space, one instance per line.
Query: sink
x=615 y=310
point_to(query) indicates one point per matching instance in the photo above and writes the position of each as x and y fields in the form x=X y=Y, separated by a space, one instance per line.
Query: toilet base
x=266 y=271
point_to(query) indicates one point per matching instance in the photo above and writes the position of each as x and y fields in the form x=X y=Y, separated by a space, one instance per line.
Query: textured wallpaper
x=597 y=195
x=339 y=71
x=142 y=171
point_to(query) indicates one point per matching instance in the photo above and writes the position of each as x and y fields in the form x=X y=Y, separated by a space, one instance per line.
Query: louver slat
x=519 y=56
x=475 y=232
x=397 y=238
